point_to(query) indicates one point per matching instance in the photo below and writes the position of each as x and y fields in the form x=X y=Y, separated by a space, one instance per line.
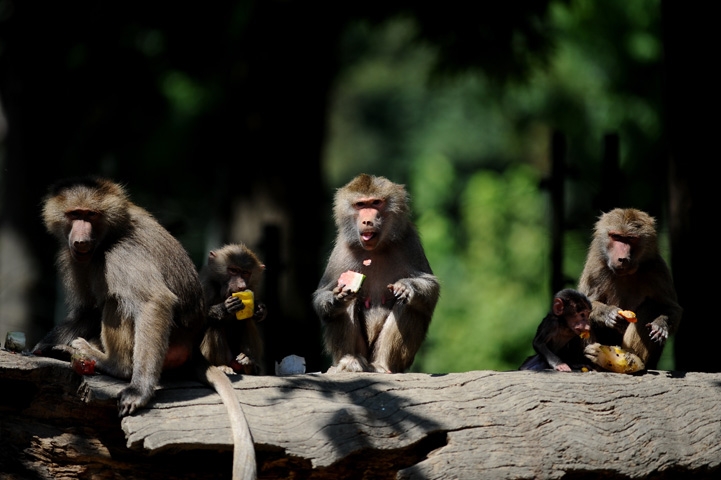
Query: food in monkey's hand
x=628 y=315
x=248 y=299
x=352 y=280
x=614 y=359
x=82 y=365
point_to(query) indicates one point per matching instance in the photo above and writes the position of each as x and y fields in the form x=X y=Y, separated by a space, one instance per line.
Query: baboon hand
x=608 y=315
x=401 y=291
x=130 y=400
x=341 y=293
x=658 y=330
x=233 y=304
x=260 y=312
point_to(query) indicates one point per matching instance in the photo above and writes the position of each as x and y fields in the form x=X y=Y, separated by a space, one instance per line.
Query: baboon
x=380 y=327
x=558 y=343
x=231 y=344
x=625 y=271
x=134 y=298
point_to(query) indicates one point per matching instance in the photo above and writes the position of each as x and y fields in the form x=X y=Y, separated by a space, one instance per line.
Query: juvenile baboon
x=134 y=298
x=624 y=271
x=231 y=344
x=380 y=327
x=558 y=343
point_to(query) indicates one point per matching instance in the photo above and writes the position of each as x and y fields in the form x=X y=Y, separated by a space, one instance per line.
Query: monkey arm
x=331 y=304
x=607 y=315
x=420 y=292
x=551 y=358
x=218 y=312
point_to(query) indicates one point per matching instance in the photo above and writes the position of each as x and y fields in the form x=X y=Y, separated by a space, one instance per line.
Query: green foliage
x=474 y=154
x=494 y=284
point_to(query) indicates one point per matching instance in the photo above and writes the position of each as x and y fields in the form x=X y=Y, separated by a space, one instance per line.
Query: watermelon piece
x=352 y=280
x=83 y=365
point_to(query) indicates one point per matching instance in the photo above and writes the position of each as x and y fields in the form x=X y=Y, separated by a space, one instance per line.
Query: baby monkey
x=235 y=346
x=558 y=341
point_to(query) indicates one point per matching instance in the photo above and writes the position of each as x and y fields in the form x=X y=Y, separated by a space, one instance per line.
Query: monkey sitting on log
x=558 y=343
x=231 y=344
x=380 y=326
x=134 y=299
x=625 y=271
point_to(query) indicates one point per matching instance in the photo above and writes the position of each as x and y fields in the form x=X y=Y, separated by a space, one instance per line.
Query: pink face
x=83 y=235
x=369 y=214
x=619 y=253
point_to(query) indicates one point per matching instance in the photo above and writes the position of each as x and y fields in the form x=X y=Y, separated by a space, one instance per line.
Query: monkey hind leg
x=399 y=340
x=351 y=363
x=536 y=363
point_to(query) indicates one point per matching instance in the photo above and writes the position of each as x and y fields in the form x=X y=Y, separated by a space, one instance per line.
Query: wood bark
x=57 y=424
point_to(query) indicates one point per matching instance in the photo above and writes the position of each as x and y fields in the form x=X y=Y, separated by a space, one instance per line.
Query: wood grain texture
x=479 y=424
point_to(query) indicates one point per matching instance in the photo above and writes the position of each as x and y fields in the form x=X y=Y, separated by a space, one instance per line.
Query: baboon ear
x=557 y=307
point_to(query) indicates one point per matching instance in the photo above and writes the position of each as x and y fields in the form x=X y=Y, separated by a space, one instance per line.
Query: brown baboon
x=134 y=298
x=624 y=271
x=558 y=343
x=380 y=327
x=231 y=344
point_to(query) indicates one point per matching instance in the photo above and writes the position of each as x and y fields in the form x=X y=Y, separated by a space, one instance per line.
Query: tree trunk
x=479 y=424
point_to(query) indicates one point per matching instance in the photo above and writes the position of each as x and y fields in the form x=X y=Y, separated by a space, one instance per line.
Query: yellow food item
x=628 y=315
x=248 y=299
x=615 y=359
x=585 y=335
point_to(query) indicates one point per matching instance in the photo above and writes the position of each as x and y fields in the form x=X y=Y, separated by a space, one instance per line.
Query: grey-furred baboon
x=231 y=344
x=134 y=299
x=625 y=271
x=380 y=327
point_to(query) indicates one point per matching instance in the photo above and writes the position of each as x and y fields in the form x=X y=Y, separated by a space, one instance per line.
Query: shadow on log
x=480 y=424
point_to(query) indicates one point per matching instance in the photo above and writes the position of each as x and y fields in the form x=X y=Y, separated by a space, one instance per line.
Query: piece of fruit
x=614 y=359
x=248 y=299
x=352 y=280
x=628 y=315
x=584 y=335
x=82 y=365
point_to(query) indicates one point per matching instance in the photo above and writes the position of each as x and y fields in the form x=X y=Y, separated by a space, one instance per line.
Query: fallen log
x=57 y=424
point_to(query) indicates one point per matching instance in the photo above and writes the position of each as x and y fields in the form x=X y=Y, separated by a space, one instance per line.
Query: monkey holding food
x=232 y=340
x=625 y=271
x=135 y=302
x=558 y=340
x=379 y=325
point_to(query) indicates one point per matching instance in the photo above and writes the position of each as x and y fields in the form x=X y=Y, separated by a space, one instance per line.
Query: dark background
x=84 y=89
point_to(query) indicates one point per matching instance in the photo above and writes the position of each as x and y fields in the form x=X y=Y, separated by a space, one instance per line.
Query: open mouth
x=367 y=236
x=80 y=255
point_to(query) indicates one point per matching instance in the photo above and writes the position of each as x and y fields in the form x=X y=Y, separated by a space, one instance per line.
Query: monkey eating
x=625 y=271
x=134 y=298
x=379 y=327
x=558 y=340
x=233 y=345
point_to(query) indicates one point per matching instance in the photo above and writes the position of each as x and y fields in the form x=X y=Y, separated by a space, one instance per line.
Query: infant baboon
x=231 y=344
x=558 y=343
